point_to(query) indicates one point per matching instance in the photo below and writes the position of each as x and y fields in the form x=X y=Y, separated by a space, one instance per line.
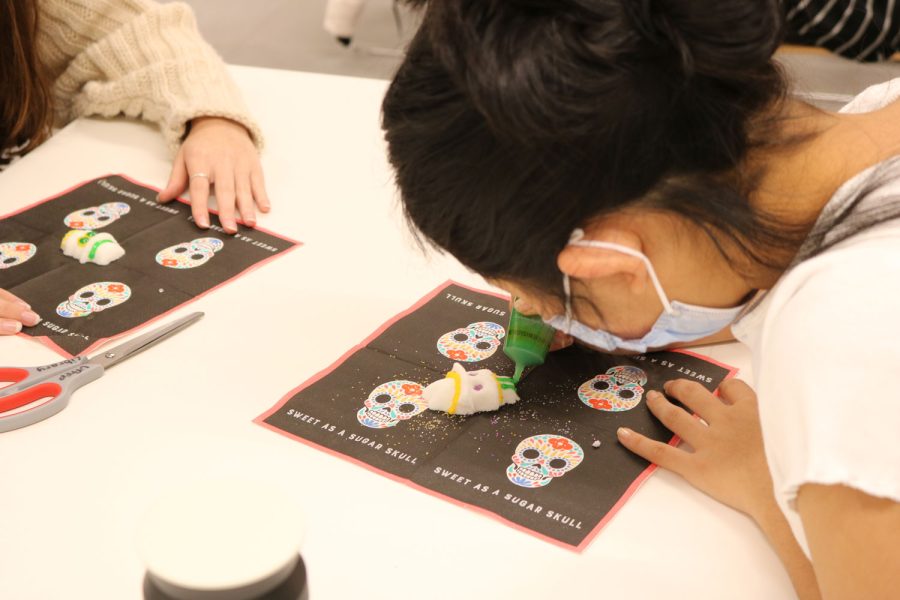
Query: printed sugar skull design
x=189 y=254
x=621 y=388
x=476 y=341
x=96 y=217
x=390 y=403
x=542 y=458
x=15 y=253
x=95 y=297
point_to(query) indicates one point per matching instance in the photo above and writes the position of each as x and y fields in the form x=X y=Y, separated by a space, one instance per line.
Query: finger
x=225 y=198
x=244 y=198
x=732 y=391
x=676 y=419
x=664 y=455
x=258 y=187
x=695 y=397
x=10 y=327
x=200 y=199
x=7 y=296
x=523 y=306
x=15 y=314
x=561 y=340
x=178 y=180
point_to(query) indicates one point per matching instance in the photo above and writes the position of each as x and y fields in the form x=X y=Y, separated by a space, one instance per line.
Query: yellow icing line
x=62 y=244
x=499 y=390
x=457 y=387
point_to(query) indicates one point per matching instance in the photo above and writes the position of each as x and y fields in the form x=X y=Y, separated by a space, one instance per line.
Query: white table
x=73 y=489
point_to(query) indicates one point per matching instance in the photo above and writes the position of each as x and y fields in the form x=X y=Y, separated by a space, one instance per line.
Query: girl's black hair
x=512 y=122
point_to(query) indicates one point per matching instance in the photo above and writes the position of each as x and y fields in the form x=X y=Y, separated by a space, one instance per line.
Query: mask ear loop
x=577 y=239
x=567 y=288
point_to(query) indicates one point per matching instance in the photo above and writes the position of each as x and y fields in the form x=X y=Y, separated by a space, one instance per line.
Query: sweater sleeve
x=135 y=58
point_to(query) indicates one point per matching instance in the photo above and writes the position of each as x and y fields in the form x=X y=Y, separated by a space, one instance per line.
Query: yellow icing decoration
x=62 y=244
x=499 y=390
x=457 y=386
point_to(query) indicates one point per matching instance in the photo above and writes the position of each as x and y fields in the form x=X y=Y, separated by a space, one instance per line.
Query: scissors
x=58 y=381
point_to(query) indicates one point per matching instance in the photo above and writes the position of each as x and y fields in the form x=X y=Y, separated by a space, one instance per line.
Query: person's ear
x=586 y=262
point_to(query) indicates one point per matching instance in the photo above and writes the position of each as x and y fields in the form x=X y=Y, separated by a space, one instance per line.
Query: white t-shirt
x=826 y=345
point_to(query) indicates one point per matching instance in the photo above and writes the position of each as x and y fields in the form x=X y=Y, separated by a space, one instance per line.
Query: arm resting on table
x=853 y=539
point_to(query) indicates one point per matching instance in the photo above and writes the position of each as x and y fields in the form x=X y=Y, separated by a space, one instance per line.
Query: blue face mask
x=679 y=322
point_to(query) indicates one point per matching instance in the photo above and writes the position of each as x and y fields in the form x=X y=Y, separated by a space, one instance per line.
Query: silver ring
x=199 y=175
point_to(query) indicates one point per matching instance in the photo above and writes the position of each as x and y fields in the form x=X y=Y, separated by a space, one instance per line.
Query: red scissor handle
x=13 y=374
x=29 y=395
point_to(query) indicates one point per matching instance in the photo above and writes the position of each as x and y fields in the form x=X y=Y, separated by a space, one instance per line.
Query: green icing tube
x=527 y=341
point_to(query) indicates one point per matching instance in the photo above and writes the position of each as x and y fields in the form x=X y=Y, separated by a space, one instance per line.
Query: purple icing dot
x=478 y=387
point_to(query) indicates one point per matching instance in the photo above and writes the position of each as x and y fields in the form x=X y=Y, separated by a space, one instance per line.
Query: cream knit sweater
x=135 y=58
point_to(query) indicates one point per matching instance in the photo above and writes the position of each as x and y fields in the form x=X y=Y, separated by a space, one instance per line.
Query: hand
x=727 y=461
x=14 y=313
x=223 y=150
x=561 y=340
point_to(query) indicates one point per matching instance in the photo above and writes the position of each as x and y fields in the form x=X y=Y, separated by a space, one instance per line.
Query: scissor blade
x=128 y=349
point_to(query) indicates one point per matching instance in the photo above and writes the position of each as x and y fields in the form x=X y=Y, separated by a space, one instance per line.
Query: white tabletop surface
x=73 y=489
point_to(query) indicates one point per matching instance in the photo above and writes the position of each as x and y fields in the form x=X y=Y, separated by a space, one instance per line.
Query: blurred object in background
x=342 y=17
x=865 y=31
x=829 y=81
x=288 y=34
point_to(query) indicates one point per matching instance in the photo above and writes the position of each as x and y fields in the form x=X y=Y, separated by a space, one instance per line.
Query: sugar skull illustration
x=390 y=403
x=620 y=388
x=95 y=217
x=94 y=297
x=15 y=253
x=475 y=342
x=542 y=458
x=191 y=254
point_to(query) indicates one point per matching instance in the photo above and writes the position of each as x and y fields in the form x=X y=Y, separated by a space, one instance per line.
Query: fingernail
x=30 y=318
x=653 y=395
x=623 y=432
x=203 y=222
x=229 y=226
x=8 y=326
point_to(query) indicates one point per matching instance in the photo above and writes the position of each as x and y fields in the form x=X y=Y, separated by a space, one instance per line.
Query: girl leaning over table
x=64 y=59
x=636 y=172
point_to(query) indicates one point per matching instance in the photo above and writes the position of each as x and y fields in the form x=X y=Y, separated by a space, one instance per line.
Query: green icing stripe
x=93 y=251
x=506 y=383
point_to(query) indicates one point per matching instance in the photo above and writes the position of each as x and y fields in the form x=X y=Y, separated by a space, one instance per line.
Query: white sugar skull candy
x=95 y=297
x=475 y=342
x=15 y=253
x=542 y=458
x=191 y=254
x=621 y=388
x=465 y=393
x=390 y=403
x=95 y=217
